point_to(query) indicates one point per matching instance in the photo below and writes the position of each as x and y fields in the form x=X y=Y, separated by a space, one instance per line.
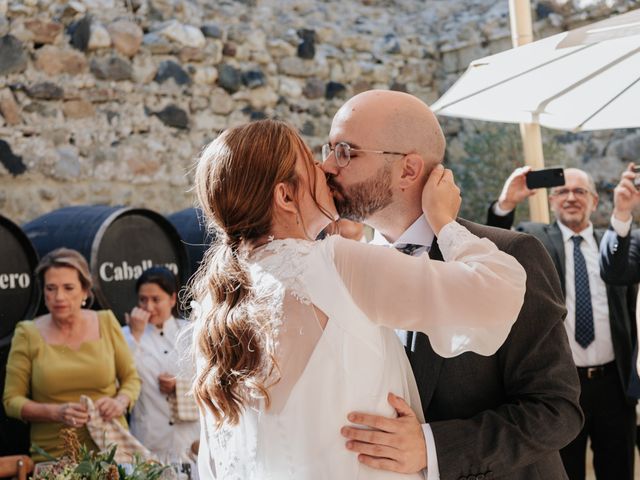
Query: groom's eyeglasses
x=343 y=150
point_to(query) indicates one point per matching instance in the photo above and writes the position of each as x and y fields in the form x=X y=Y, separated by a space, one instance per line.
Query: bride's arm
x=467 y=303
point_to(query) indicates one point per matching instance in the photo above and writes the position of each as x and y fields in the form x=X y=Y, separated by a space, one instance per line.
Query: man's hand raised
x=515 y=189
x=625 y=196
x=394 y=444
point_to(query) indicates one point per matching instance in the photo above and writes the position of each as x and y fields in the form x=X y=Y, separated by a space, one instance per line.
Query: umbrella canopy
x=584 y=79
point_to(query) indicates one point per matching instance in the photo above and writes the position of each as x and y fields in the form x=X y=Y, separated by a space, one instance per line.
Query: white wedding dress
x=335 y=304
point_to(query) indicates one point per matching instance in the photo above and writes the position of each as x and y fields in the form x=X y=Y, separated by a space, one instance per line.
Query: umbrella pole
x=532 y=145
x=521 y=34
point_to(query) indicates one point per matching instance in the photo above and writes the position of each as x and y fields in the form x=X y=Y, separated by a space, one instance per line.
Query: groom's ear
x=413 y=170
x=284 y=199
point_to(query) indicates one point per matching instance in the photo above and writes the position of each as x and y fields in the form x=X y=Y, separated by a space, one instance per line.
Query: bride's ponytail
x=235 y=181
x=236 y=348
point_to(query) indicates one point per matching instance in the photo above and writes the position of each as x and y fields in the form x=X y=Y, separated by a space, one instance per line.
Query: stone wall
x=110 y=101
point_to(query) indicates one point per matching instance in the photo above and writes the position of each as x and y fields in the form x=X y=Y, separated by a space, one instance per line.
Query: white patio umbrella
x=584 y=79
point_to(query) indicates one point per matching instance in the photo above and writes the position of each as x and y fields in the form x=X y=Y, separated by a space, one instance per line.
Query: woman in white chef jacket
x=152 y=333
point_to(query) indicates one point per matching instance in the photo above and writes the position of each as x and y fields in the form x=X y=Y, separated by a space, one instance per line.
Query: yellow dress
x=58 y=374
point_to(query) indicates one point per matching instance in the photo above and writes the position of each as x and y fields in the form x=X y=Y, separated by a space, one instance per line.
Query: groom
x=499 y=417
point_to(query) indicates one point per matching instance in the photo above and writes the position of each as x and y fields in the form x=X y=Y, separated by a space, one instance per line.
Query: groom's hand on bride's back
x=395 y=444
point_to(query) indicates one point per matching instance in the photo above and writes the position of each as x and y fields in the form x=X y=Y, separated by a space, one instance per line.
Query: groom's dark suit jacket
x=507 y=415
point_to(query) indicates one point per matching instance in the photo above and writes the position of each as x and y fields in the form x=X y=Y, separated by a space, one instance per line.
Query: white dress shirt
x=418 y=233
x=620 y=227
x=600 y=351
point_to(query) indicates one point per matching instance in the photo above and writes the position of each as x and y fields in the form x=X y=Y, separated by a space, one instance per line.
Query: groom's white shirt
x=418 y=233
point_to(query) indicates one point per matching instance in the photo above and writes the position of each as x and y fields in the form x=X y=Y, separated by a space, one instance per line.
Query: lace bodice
x=335 y=304
x=284 y=260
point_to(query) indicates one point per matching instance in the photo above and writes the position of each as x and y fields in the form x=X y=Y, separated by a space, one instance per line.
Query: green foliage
x=40 y=451
x=489 y=154
x=92 y=465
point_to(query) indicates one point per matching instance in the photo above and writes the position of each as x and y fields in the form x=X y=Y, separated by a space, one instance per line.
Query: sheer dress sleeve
x=467 y=303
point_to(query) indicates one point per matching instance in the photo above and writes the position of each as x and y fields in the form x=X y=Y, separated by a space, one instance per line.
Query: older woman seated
x=68 y=352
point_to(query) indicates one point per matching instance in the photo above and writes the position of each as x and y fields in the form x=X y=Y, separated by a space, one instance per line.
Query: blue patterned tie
x=584 y=313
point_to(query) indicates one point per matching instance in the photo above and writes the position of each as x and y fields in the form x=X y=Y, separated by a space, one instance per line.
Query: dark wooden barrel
x=191 y=226
x=19 y=290
x=118 y=242
x=19 y=298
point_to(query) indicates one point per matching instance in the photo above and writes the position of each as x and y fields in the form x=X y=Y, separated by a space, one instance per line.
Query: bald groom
x=499 y=417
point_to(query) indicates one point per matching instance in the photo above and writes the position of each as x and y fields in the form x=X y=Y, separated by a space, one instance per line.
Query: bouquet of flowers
x=80 y=463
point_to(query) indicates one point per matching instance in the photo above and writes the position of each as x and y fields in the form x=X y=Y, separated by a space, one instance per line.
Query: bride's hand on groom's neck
x=440 y=198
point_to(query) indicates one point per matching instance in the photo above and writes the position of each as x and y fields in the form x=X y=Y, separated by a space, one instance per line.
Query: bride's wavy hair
x=235 y=180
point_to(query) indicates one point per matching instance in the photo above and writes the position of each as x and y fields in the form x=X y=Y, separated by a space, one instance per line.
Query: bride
x=292 y=334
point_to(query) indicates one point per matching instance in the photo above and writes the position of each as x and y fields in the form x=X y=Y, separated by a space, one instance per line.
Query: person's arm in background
x=126 y=374
x=501 y=212
x=136 y=323
x=620 y=250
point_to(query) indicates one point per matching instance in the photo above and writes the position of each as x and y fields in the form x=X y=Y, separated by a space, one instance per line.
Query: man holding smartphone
x=620 y=249
x=598 y=322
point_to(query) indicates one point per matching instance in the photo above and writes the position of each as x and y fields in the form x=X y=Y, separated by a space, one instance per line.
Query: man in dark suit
x=598 y=322
x=620 y=256
x=502 y=417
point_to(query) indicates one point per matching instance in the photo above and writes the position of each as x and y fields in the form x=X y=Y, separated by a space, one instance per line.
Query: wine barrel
x=19 y=299
x=191 y=226
x=119 y=243
x=19 y=290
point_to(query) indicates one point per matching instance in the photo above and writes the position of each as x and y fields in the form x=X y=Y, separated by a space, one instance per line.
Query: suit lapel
x=556 y=249
x=614 y=298
x=598 y=236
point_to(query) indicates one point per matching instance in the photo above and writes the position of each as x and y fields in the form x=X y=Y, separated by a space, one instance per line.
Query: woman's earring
x=84 y=301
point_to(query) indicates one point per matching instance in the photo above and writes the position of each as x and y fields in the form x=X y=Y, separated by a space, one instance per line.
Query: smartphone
x=549 y=177
x=636 y=181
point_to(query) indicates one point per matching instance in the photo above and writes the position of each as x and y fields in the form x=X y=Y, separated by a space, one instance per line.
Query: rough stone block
x=170 y=69
x=9 y=108
x=13 y=163
x=111 y=68
x=78 y=109
x=99 y=37
x=13 y=57
x=45 y=91
x=55 y=61
x=126 y=37
x=173 y=116
x=229 y=78
x=43 y=31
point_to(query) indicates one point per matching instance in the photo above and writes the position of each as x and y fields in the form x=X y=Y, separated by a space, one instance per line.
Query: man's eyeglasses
x=577 y=192
x=343 y=150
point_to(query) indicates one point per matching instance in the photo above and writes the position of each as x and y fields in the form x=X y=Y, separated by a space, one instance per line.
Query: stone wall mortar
x=108 y=101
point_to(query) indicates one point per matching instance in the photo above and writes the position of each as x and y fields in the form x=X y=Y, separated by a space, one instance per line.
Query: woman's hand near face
x=137 y=321
x=167 y=383
x=440 y=198
x=72 y=414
